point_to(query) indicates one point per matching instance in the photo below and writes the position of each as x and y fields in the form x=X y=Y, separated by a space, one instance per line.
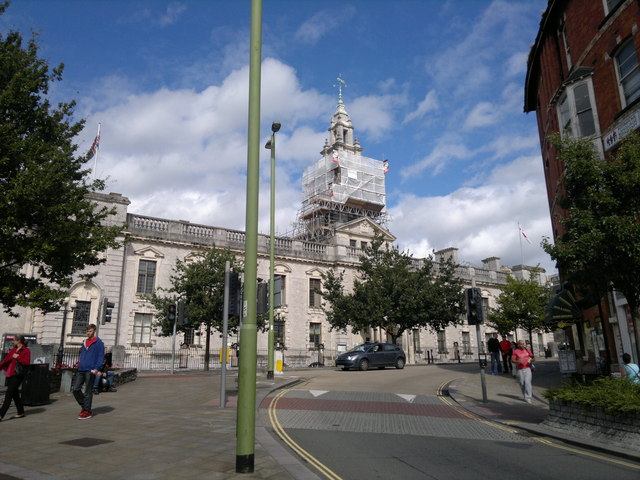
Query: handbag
x=20 y=369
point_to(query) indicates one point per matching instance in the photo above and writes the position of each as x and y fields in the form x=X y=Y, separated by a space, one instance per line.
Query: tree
x=46 y=219
x=521 y=304
x=599 y=246
x=200 y=284
x=394 y=292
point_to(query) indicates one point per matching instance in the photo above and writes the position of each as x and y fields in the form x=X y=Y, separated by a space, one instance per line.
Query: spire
x=341 y=83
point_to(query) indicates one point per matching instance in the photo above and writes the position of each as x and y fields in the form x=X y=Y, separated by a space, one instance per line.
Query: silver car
x=370 y=355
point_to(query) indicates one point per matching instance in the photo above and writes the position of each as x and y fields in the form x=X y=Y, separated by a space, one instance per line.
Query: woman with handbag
x=15 y=363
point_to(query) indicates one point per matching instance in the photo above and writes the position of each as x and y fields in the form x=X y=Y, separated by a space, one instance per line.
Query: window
x=142 y=328
x=363 y=245
x=315 y=300
x=567 y=51
x=442 y=342
x=466 y=343
x=575 y=111
x=81 y=314
x=190 y=336
x=315 y=335
x=353 y=243
x=146 y=276
x=611 y=5
x=280 y=297
x=628 y=73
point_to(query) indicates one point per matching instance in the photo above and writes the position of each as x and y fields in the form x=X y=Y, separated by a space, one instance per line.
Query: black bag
x=21 y=369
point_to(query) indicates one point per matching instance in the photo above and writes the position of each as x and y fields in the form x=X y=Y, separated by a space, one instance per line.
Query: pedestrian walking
x=91 y=359
x=493 y=345
x=507 y=350
x=523 y=357
x=630 y=370
x=15 y=364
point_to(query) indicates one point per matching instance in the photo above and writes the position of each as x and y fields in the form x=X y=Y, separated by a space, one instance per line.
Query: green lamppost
x=246 y=410
x=271 y=145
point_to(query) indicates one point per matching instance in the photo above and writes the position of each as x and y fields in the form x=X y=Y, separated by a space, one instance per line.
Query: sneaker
x=528 y=400
x=111 y=389
x=85 y=415
x=81 y=414
x=96 y=391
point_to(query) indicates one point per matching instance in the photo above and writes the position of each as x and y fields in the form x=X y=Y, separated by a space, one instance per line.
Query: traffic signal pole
x=483 y=364
x=246 y=409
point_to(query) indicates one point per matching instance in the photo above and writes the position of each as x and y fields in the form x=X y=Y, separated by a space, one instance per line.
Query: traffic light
x=474 y=306
x=182 y=313
x=235 y=295
x=107 y=310
x=171 y=312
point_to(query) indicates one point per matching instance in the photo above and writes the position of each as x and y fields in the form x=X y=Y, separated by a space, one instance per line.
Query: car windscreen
x=359 y=348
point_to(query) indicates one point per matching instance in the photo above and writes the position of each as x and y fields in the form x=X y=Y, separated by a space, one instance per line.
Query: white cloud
x=172 y=14
x=483 y=114
x=447 y=150
x=481 y=221
x=320 y=24
x=428 y=104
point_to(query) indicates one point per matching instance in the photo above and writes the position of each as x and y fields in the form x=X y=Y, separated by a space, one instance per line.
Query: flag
x=525 y=236
x=94 y=148
x=335 y=157
x=385 y=166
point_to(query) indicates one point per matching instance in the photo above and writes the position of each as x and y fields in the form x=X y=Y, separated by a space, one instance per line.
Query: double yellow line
x=544 y=441
x=277 y=426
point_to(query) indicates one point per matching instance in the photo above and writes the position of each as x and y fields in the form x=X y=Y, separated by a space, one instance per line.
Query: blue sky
x=436 y=87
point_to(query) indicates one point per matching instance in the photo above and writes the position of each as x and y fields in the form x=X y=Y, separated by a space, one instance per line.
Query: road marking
x=443 y=398
x=317 y=393
x=586 y=454
x=545 y=441
x=408 y=398
x=277 y=426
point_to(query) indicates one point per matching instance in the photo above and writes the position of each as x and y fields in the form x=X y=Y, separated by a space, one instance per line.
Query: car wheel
x=364 y=364
x=400 y=363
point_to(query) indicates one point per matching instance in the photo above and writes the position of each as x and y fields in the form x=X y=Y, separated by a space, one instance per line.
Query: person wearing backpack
x=630 y=370
x=17 y=358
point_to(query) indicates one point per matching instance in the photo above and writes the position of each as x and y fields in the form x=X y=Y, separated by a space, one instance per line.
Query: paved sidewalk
x=505 y=404
x=138 y=433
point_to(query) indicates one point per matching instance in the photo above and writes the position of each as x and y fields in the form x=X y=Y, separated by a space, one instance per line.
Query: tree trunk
x=207 y=345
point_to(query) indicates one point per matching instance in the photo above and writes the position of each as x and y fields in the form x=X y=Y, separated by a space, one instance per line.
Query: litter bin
x=35 y=387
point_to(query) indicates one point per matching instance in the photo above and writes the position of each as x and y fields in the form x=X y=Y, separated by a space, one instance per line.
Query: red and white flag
x=524 y=235
x=335 y=157
x=94 y=147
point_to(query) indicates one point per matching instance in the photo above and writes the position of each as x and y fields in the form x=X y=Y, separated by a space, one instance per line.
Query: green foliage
x=600 y=244
x=394 y=292
x=201 y=284
x=521 y=304
x=46 y=219
x=608 y=393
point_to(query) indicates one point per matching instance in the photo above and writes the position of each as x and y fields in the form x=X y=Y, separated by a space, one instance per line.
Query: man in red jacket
x=505 y=348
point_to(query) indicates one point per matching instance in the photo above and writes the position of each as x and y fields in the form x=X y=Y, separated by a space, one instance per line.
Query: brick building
x=583 y=81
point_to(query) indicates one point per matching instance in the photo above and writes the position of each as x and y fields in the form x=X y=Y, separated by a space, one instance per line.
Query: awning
x=562 y=310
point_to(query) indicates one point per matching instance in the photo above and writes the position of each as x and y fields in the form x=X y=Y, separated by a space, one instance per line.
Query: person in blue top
x=91 y=358
x=630 y=370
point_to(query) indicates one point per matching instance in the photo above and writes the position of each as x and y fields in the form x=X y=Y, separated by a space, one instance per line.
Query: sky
x=435 y=87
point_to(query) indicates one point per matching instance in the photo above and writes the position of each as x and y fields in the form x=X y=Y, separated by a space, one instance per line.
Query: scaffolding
x=338 y=188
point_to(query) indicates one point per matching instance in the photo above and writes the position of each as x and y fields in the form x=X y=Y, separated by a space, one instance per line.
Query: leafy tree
x=394 y=292
x=599 y=246
x=46 y=219
x=521 y=304
x=201 y=285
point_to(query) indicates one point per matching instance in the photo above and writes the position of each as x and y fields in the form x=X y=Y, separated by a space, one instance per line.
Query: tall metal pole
x=483 y=379
x=246 y=416
x=225 y=334
x=64 y=327
x=272 y=250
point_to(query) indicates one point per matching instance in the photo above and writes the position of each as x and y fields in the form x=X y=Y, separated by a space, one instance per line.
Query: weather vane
x=341 y=83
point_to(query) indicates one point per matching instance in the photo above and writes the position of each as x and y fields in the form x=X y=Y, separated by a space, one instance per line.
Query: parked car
x=375 y=354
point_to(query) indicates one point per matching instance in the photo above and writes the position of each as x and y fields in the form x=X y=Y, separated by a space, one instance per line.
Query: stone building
x=343 y=207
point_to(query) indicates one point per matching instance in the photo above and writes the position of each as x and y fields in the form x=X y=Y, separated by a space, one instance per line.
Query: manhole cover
x=86 y=442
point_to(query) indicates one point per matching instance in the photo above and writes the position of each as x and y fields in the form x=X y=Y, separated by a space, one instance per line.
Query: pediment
x=365 y=227
x=149 y=252
x=314 y=272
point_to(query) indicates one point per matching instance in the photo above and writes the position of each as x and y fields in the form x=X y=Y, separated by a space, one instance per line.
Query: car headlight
x=351 y=357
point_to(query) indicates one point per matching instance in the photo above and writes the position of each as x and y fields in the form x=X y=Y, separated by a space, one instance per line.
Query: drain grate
x=86 y=442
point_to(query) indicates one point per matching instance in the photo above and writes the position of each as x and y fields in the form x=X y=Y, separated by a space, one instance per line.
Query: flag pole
x=520 y=238
x=95 y=157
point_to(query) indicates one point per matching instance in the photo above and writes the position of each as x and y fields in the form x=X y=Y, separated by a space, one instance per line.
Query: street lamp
x=70 y=304
x=271 y=145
